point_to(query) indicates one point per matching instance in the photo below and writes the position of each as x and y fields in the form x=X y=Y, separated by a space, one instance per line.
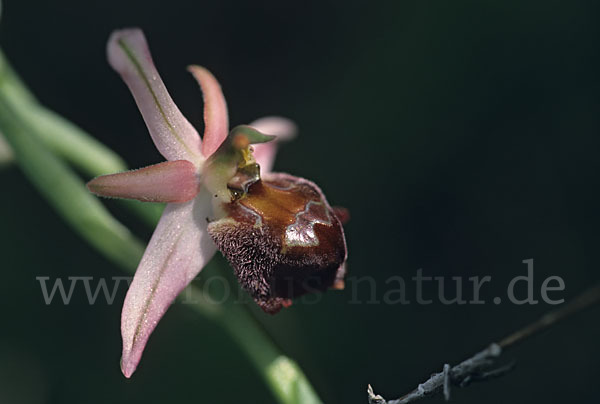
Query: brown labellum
x=282 y=239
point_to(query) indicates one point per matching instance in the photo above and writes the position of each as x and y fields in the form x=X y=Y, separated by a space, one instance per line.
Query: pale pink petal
x=173 y=135
x=283 y=128
x=179 y=248
x=216 y=121
x=171 y=181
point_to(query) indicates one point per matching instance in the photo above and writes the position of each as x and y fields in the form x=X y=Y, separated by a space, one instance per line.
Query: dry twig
x=480 y=366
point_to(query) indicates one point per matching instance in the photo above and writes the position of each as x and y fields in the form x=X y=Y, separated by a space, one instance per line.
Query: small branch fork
x=482 y=365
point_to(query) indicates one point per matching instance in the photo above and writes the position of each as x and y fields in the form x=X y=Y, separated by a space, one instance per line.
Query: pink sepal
x=171 y=181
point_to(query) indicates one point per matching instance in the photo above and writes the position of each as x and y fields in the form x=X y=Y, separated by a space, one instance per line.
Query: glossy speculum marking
x=282 y=239
x=301 y=233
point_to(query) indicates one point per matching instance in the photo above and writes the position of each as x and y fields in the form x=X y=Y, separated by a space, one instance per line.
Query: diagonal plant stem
x=6 y=153
x=37 y=144
x=61 y=136
x=479 y=366
x=67 y=194
x=67 y=140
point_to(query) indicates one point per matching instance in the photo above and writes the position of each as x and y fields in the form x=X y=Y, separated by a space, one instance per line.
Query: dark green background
x=462 y=135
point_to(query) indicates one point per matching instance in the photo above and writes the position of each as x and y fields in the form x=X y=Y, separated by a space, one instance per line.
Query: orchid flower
x=278 y=232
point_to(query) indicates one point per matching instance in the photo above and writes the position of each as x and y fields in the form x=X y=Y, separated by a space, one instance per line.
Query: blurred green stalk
x=67 y=140
x=6 y=153
x=39 y=138
x=60 y=136
x=65 y=191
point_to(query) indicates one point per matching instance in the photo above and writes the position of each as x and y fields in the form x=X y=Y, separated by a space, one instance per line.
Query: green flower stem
x=282 y=375
x=24 y=126
x=6 y=153
x=61 y=136
x=67 y=193
x=67 y=140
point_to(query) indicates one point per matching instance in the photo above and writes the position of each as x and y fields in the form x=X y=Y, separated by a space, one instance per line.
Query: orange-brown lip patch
x=269 y=263
x=276 y=206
